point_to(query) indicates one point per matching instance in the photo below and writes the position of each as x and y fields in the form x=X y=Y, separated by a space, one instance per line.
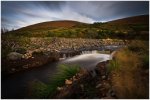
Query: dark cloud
x=16 y=14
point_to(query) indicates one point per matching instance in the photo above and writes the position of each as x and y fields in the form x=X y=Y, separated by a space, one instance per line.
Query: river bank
x=41 y=51
x=20 y=81
x=94 y=84
x=125 y=76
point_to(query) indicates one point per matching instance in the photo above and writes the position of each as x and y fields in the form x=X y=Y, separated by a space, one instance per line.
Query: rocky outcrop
x=14 y=56
x=17 y=62
x=86 y=86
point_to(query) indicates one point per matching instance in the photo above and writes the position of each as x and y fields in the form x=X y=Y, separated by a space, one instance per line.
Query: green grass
x=64 y=72
x=38 y=90
x=113 y=65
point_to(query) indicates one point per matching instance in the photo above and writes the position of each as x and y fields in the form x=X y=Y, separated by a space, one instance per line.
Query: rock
x=106 y=86
x=14 y=56
x=93 y=73
x=68 y=82
x=25 y=66
x=74 y=78
x=82 y=86
x=103 y=77
x=59 y=88
x=99 y=85
x=13 y=69
x=21 y=50
x=111 y=93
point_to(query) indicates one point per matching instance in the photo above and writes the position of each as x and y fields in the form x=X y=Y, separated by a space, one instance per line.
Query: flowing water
x=16 y=85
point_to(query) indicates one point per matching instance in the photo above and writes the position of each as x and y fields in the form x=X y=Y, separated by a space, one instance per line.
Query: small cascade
x=89 y=52
x=94 y=51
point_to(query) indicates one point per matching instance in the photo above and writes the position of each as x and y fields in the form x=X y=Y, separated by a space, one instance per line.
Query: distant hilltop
x=142 y=19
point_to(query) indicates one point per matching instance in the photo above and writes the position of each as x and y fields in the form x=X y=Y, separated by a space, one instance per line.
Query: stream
x=16 y=85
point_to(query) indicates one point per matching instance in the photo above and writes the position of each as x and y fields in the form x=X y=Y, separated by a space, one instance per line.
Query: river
x=16 y=85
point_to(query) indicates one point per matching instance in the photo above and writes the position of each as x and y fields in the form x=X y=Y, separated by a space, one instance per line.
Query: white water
x=88 y=59
x=20 y=81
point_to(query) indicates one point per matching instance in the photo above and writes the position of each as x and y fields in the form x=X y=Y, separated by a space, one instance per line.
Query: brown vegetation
x=143 y=19
x=52 y=24
x=131 y=80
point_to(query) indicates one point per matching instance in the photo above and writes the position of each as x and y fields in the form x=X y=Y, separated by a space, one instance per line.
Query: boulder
x=14 y=56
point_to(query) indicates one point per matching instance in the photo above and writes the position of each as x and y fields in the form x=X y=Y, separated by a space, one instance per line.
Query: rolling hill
x=52 y=25
x=127 y=27
x=143 y=19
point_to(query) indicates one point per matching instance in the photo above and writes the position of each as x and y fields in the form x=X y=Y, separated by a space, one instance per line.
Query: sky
x=17 y=14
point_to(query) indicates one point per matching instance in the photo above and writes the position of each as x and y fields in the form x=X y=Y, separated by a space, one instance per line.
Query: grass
x=38 y=89
x=64 y=72
x=113 y=66
x=41 y=90
x=131 y=81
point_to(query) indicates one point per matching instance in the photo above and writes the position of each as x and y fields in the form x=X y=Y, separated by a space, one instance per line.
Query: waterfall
x=94 y=51
x=89 y=52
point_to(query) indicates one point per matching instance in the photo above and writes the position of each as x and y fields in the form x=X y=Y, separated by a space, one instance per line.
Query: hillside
x=51 y=25
x=143 y=19
x=128 y=28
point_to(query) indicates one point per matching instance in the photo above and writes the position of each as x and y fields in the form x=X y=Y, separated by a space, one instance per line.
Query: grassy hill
x=143 y=19
x=122 y=28
x=51 y=25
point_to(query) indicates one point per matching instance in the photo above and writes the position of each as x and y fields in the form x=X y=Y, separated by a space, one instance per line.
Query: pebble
x=25 y=66
x=59 y=88
x=99 y=85
x=13 y=69
x=82 y=86
x=68 y=82
x=103 y=77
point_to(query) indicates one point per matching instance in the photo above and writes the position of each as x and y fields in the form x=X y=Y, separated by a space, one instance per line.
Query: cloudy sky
x=17 y=14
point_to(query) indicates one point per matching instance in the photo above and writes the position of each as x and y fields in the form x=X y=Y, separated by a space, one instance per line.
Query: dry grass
x=131 y=81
